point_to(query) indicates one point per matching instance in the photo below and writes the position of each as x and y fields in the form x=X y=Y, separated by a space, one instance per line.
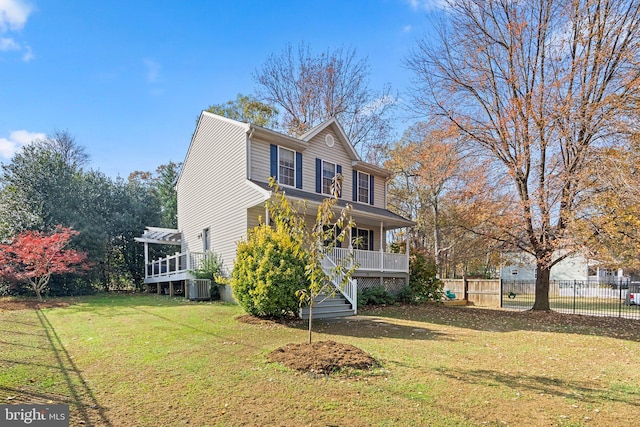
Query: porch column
x=407 y=247
x=158 y=288
x=170 y=288
x=381 y=246
x=146 y=259
x=266 y=216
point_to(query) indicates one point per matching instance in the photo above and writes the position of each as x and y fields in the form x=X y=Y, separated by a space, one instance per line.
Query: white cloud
x=153 y=70
x=13 y=14
x=427 y=5
x=407 y=29
x=28 y=54
x=8 y=44
x=17 y=139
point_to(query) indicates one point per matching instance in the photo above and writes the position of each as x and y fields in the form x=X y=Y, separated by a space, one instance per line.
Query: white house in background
x=224 y=185
x=521 y=267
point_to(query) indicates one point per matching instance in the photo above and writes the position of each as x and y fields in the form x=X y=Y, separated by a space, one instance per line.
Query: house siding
x=260 y=166
x=212 y=189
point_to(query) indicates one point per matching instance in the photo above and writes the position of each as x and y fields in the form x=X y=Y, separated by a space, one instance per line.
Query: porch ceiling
x=160 y=236
x=364 y=214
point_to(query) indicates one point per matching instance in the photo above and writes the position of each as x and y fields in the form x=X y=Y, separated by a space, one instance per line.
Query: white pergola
x=158 y=236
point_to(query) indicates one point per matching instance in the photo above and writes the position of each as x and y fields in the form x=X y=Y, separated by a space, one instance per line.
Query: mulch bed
x=322 y=357
x=13 y=305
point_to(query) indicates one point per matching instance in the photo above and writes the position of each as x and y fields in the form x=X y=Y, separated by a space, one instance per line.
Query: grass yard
x=148 y=360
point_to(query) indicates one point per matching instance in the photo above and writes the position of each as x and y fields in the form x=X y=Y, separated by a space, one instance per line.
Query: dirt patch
x=322 y=357
x=12 y=305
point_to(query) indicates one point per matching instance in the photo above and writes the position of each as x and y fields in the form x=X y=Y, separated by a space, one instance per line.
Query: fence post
x=575 y=290
x=500 y=293
x=465 y=286
x=620 y=298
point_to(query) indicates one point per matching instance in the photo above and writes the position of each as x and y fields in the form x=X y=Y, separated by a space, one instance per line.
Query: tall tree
x=537 y=85
x=63 y=143
x=165 y=187
x=312 y=88
x=248 y=109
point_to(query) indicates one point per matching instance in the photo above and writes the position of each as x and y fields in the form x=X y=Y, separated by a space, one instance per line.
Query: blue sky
x=129 y=78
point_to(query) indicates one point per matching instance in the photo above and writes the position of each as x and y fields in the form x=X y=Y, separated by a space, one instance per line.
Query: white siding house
x=224 y=185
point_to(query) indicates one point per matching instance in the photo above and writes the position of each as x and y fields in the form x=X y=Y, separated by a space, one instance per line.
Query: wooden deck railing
x=175 y=264
x=372 y=260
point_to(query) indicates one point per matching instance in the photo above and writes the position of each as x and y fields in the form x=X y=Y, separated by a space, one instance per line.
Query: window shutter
x=298 y=170
x=274 y=161
x=355 y=186
x=338 y=242
x=370 y=189
x=339 y=171
x=370 y=240
x=318 y=175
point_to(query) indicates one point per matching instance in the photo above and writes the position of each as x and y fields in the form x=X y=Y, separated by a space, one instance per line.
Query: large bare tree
x=537 y=84
x=310 y=88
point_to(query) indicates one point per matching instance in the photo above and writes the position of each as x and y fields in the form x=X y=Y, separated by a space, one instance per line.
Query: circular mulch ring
x=322 y=357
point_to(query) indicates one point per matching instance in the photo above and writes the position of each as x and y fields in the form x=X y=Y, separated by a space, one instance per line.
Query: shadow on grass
x=582 y=390
x=371 y=327
x=496 y=320
x=81 y=395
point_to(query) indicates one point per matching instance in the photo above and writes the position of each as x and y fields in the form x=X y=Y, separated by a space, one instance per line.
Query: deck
x=181 y=265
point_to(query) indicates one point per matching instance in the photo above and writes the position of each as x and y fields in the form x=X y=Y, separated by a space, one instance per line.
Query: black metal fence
x=620 y=299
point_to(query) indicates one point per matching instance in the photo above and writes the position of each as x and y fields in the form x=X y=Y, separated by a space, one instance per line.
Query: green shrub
x=376 y=295
x=269 y=269
x=211 y=268
x=423 y=283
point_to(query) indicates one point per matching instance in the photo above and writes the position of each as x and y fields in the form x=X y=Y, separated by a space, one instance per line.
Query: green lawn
x=158 y=361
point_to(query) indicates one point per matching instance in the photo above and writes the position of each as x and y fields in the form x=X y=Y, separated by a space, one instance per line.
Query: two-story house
x=224 y=185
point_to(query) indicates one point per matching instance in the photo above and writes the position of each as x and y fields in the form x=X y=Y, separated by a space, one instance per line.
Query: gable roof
x=333 y=122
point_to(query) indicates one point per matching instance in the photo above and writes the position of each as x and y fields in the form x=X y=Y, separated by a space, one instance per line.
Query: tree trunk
x=310 y=316
x=543 y=273
x=436 y=241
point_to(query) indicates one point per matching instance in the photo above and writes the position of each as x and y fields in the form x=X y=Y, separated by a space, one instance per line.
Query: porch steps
x=333 y=306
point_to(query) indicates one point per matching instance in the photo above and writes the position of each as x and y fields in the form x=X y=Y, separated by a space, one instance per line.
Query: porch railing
x=372 y=260
x=174 y=264
x=350 y=289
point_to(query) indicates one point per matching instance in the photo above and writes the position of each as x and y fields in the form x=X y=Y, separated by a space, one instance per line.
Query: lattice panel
x=391 y=284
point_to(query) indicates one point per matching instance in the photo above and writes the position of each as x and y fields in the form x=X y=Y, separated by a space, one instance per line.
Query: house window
x=363 y=187
x=328 y=172
x=205 y=240
x=361 y=238
x=287 y=167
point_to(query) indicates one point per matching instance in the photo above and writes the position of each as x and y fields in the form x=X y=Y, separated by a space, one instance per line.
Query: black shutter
x=274 y=161
x=370 y=240
x=355 y=186
x=298 y=170
x=318 y=176
x=370 y=189
x=339 y=171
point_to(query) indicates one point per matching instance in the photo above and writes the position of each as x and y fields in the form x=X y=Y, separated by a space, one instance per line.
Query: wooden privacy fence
x=480 y=292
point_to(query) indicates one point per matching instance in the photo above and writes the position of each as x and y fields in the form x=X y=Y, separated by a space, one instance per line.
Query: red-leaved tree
x=33 y=257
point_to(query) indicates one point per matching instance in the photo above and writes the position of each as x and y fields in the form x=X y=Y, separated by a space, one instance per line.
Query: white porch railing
x=174 y=264
x=372 y=260
x=349 y=291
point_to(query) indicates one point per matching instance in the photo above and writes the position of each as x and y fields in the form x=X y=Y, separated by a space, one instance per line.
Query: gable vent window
x=329 y=140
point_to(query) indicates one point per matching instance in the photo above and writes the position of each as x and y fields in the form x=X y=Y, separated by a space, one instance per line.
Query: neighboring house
x=521 y=267
x=224 y=185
